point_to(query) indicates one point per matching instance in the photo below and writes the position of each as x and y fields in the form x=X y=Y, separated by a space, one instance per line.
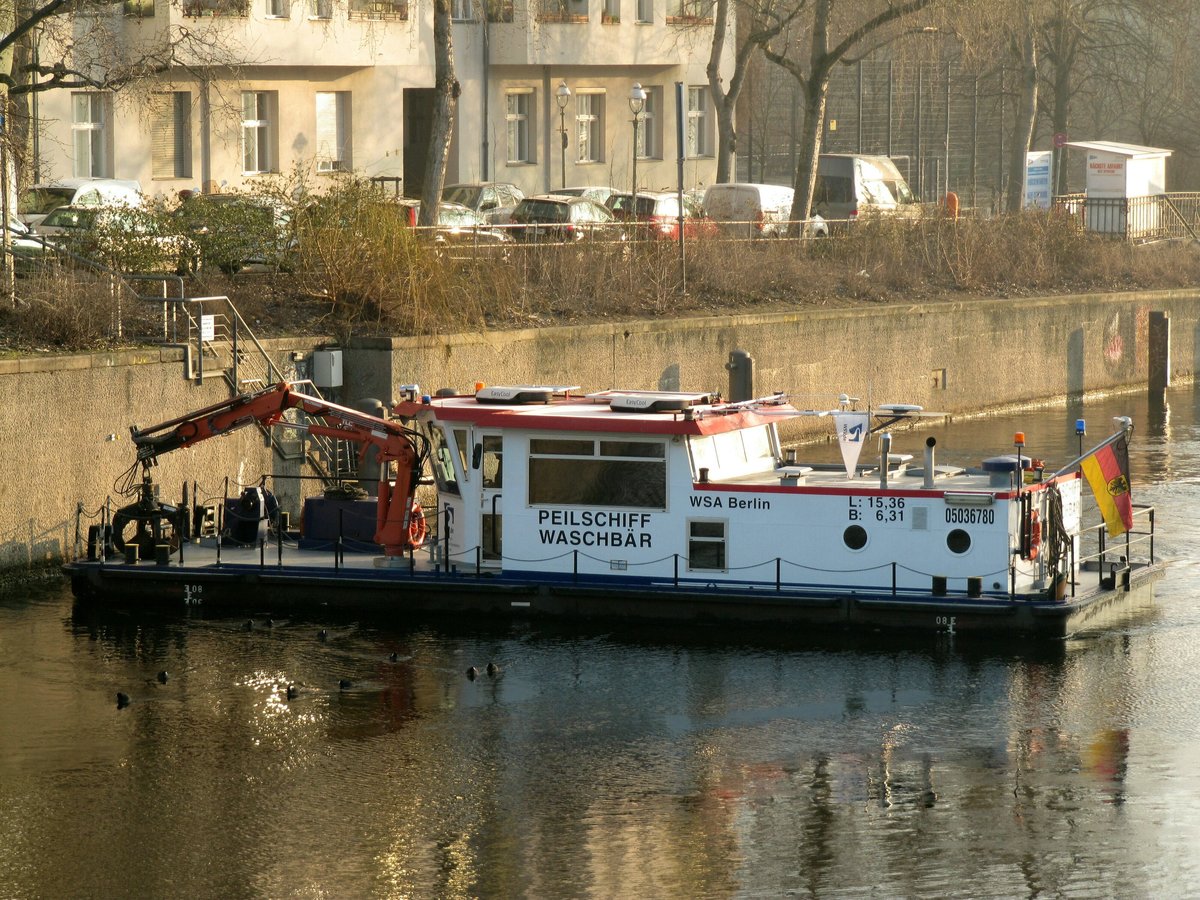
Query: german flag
x=1107 y=471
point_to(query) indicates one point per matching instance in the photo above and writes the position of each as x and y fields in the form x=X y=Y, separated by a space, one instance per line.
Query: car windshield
x=41 y=200
x=456 y=217
x=70 y=218
x=465 y=194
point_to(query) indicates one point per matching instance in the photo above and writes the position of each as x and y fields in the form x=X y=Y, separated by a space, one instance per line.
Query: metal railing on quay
x=1154 y=217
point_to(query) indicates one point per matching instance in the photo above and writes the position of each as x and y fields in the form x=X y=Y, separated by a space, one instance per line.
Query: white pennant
x=852 y=428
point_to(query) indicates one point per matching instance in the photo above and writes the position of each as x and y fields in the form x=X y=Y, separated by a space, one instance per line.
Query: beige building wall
x=383 y=69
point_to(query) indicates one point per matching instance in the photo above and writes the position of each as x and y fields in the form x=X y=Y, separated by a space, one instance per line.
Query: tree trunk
x=816 y=93
x=723 y=103
x=442 y=129
x=1026 y=116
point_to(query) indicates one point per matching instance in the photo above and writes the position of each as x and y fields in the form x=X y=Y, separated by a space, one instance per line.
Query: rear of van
x=851 y=186
x=749 y=210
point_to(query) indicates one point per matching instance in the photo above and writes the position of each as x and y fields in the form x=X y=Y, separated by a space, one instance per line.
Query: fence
x=1152 y=218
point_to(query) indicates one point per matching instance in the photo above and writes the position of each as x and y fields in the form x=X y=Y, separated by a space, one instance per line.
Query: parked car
x=494 y=200
x=240 y=232
x=850 y=186
x=599 y=193
x=126 y=239
x=552 y=217
x=658 y=215
x=37 y=202
x=756 y=210
x=456 y=224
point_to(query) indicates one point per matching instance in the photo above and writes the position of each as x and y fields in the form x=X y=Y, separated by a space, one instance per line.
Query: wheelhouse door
x=491 y=472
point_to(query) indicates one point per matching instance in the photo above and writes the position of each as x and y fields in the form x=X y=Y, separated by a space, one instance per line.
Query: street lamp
x=563 y=96
x=637 y=103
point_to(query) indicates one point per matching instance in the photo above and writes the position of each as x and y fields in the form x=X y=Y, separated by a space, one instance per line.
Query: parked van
x=38 y=201
x=749 y=210
x=850 y=186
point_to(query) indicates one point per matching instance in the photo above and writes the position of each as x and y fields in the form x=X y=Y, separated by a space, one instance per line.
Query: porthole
x=958 y=541
x=855 y=537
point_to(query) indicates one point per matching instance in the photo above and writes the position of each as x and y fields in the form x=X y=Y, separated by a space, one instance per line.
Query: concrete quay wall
x=64 y=432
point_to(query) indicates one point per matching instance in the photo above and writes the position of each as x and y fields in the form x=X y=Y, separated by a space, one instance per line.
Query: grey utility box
x=327 y=368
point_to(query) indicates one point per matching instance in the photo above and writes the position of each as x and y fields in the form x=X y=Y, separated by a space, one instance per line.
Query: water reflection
x=612 y=762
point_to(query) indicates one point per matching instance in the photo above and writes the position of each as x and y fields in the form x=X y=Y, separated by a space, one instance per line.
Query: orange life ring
x=1035 y=536
x=416 y=526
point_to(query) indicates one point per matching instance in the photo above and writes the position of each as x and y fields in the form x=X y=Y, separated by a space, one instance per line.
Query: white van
x=755 y=210
x=38 y=201
x=851 y=186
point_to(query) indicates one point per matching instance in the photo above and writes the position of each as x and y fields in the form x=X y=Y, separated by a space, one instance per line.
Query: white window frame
x=90 y=134
x=333 y=131
x=612 y=10
x=258 y=133
x=645 y=12
x=699 y=138
x=321 y=10
x=462 y=10
x=650 y=131
x=171 y=135
x=519 y=105
x=279 y=9
x=589 y=126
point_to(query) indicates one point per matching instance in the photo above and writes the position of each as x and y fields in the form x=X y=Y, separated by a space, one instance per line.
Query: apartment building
x=306 y=88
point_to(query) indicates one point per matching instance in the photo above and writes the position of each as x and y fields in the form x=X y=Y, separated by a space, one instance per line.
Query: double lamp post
x=637 y=105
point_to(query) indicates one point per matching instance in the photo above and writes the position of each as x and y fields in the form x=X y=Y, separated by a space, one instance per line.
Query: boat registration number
x=957 y=515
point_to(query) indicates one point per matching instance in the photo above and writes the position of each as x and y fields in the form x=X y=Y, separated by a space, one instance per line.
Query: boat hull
x=249 y=582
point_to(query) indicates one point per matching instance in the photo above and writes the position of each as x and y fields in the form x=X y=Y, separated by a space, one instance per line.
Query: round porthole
x=958 y=541
x=855 y=537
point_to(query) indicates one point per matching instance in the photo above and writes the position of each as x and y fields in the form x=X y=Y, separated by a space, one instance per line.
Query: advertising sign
x=1038 y=166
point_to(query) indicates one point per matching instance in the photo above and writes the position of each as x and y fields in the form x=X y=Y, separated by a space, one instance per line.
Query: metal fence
x=1156 y=217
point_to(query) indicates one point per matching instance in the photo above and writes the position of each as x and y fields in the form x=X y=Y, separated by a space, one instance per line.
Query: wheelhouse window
x=589 y=122
x=520 y=127
x=706 y=544
x=598 y=472
x=441 y=460
x=89 y=129
x=171 y=134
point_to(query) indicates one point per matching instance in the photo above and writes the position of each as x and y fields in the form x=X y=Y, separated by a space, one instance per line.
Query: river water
x=649 y=763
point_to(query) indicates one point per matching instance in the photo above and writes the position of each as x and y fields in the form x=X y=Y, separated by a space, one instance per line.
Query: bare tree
x=761 y=21
x=446 y=91
x=834 y=31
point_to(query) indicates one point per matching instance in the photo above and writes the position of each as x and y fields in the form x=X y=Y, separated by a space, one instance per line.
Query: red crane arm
x=392 y=440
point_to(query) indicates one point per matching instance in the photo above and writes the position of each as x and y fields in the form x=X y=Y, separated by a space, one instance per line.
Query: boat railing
x=1109 y=555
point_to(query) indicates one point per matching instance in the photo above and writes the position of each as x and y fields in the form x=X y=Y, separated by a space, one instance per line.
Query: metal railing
x=1153 y=217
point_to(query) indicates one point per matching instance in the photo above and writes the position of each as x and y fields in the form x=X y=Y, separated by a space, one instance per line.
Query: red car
x=659 y=212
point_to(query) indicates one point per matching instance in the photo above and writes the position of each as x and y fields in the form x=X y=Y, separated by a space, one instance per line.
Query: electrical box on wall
x=327 y=368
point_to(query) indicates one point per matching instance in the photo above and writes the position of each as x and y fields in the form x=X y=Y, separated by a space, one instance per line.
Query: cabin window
x=493 y=461
x=460 y=441
x=441 y=460
x=958 y=541
x=855 y=537
x=735 y=453
x=706 y=544
x=591 y=472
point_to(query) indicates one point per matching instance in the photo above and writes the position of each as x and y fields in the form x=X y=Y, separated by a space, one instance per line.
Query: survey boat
x=544 y=500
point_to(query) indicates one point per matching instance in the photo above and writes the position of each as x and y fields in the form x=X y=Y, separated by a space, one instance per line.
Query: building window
x=689 y=12
x=278 y=9
x=589 y=126
x=378 y=9
x=698 y=140
x=89 y=128
x=706 y=544
x=258 y=135
x=171 y=135
x=462 y=10
x=321 y=9
x=333 y=131
x=520 y=126
x=650 y=131
x=645 y=11
x=611 y=13
x=206 y=8
x=139 y=9
x=500 y=10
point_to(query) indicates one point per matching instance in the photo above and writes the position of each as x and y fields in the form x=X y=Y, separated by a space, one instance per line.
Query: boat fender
x=1035 y=536
x=416 y=526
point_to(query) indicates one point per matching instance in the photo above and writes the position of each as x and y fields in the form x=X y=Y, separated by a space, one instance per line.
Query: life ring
x=1035 y=536
x=416 y=526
